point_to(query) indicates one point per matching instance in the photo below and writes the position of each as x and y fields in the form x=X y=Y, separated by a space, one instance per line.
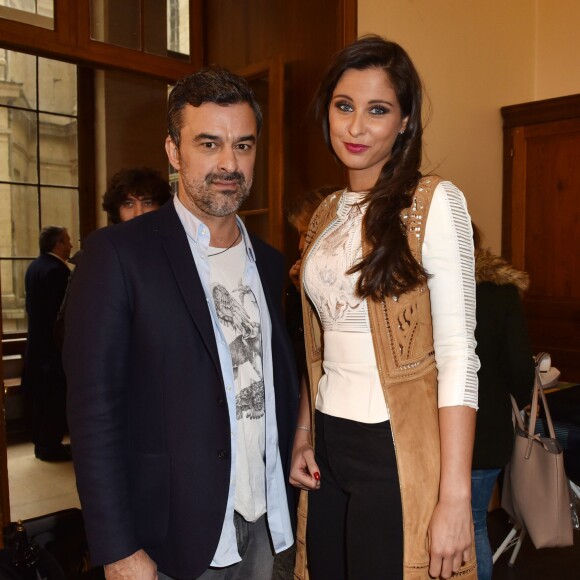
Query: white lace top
x=350 y=387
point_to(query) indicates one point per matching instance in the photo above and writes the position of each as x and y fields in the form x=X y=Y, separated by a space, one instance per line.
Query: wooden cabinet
x=541 y=221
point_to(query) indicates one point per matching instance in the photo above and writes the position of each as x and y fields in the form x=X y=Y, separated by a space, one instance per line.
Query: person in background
x=183 y=396
x=299 y=216
x=389 y=314
x=130 y=193
x=43 y=379
x=133 y=192
x=507 y=367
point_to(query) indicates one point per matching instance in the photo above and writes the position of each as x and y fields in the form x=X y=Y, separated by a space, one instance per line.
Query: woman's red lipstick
x=356 y=148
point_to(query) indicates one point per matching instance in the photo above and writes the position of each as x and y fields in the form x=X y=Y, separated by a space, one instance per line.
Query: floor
x=532 y=564
x=38 y=487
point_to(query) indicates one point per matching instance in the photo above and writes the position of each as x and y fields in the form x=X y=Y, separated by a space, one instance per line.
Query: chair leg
x=506 y=544
x=574 y=488
x=517 y=548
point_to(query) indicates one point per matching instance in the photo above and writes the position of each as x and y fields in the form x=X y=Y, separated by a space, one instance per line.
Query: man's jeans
x=482 y=482
x=255 y=550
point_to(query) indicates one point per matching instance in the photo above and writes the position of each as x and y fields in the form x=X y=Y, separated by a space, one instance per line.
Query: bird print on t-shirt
x=239 y=319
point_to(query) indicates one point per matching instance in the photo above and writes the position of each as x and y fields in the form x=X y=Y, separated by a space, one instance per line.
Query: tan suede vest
x=403 y=343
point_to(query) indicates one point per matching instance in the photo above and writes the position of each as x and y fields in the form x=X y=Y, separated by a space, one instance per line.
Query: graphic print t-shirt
x=239 y=318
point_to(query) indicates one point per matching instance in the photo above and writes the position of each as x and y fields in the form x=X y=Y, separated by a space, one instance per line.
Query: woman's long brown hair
x=389 y=268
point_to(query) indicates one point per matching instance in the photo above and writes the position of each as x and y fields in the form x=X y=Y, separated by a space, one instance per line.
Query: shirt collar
x=199 y=233
x=57 y=256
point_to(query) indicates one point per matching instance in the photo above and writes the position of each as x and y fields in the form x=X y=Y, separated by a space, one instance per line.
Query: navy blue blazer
x=147 y=407
x=45 y=281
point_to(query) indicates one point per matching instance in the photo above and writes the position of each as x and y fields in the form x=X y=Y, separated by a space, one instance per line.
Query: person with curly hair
x=135 y=191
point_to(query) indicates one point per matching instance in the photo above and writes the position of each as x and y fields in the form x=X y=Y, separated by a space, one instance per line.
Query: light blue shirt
x=198 y=236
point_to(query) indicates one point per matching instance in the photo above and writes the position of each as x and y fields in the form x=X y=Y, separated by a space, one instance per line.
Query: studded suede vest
x=403 y=343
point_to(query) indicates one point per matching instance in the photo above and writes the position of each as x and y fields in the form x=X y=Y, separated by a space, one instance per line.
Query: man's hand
x=138 y=566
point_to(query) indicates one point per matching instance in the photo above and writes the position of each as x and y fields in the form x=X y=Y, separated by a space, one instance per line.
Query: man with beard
x=183 y=394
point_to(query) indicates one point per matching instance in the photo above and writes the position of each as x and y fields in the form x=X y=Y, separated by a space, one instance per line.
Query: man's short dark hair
x=212 y=84
x=141 y=182
x=49 y=237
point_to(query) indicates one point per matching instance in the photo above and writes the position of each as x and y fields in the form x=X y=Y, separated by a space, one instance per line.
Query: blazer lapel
x=176 y=246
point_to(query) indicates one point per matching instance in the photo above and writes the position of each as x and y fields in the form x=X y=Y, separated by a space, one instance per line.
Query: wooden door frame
x=348 y=20
x=272 y=70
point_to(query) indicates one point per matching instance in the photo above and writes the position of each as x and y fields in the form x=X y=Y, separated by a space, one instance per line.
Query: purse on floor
x=536 y=492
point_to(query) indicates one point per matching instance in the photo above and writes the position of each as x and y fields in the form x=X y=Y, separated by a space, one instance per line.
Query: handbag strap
x=538 y=393
x=517 y=414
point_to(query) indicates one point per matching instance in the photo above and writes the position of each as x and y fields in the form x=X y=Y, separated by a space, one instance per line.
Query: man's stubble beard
x=217 y=203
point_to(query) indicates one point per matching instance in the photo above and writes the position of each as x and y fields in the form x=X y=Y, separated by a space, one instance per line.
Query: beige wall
x=558 y=48
x=476 y=56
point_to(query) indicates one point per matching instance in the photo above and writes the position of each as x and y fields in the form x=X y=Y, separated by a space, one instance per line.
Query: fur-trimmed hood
x=492 y=268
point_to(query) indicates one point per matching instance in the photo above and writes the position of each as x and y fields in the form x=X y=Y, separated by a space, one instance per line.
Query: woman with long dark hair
x=389 y=315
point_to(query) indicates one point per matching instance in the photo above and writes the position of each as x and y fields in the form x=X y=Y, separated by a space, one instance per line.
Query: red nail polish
x=316 y=476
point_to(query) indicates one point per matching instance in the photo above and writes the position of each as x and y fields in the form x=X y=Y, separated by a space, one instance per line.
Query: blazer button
x=222 y=454
x=221 y=402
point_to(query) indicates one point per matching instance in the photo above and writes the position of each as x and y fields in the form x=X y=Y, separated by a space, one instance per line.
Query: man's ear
x=172 y=153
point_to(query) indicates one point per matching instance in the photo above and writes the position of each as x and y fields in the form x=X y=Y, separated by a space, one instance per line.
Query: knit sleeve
x=448 y=258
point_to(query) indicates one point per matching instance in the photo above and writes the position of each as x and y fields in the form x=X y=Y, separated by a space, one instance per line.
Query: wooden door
x=263 y=211
x=541 y=221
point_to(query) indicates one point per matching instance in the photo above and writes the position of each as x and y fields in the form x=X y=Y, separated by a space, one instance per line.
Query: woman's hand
x=449 y=537
x=304 y=472
x=450 y=529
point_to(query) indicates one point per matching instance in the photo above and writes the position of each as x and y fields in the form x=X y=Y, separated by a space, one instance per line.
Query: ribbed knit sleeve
x=448 y=257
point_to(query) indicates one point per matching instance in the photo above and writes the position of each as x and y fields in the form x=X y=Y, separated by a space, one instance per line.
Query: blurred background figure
x=43 y=378
x=299 y=216
x=132 y=192
x=507 y=367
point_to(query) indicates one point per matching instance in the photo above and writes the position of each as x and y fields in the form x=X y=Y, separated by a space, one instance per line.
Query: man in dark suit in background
x=182 y=384
x=43 y=376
